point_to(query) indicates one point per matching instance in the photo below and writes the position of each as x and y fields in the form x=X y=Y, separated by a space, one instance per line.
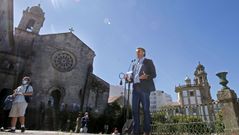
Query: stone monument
x=230 y=109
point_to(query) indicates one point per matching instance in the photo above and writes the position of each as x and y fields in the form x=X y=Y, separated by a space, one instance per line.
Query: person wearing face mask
x=19 y=104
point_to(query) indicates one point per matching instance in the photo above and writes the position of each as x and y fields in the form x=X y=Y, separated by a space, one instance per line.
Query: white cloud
x=107 y=21
x=56 y=4
x=77 y=1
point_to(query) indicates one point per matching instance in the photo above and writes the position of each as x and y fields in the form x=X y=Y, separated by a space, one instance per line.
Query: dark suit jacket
x=149 y=69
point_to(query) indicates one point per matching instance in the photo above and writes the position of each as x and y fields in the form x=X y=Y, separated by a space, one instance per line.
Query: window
x=184 y=93
x=185 y=100
x=198 y=93
x=191 y=93
x=200 y=78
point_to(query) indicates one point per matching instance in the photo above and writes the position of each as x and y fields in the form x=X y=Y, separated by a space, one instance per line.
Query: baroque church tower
x=196 y=95
x=201 y=80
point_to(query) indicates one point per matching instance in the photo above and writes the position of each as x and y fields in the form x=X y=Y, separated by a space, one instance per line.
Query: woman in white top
x=19 y=104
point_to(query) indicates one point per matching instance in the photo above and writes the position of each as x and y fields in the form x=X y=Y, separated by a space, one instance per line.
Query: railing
x=188 y=120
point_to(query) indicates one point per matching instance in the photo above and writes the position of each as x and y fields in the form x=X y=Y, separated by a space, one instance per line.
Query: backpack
x=7 y=105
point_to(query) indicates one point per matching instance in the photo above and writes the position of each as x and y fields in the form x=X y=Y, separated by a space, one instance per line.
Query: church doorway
x=56 y=95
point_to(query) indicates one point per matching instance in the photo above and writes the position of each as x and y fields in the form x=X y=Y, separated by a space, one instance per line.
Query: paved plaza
x=34 y=132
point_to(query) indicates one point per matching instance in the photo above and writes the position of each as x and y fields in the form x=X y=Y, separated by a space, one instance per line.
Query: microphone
x=130 y=70
x=122 y=75
x=132 y=61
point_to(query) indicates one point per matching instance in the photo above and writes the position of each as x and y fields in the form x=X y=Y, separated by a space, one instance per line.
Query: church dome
x=187 y=80
x=36 y=10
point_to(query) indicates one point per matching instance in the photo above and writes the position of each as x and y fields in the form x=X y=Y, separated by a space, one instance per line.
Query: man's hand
x=144 y=76
x=127 y=77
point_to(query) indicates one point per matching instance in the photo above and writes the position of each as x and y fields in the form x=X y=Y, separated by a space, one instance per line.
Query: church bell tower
x=32 y=19
x=201 y=80
x=200 y=76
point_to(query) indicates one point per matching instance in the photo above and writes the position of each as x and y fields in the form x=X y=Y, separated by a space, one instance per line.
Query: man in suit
x=142 y=78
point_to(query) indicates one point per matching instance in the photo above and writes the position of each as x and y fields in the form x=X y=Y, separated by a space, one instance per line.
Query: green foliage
x=170 y=120
x=219 y=126
x=159 y=117
x=164 y=123
x=185 y=119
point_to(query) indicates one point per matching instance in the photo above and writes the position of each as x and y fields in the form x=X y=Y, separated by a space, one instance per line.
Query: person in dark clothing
x=84 y=123
x=4 y=112
x=143 y=73
x=63 y=118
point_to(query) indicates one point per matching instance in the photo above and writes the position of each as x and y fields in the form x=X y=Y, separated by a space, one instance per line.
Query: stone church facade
x=60 y=65
x=195 y=96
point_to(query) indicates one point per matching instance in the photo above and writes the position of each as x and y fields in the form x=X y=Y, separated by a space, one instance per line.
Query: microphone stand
x=125 y=100
x=126 y=106
x=128 y=94
x=126 y=103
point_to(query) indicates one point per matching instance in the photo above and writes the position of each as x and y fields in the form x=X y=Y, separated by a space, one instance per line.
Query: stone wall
x=10 y=70
x=96 y=95
x=6 y=25
x=60 y=62
x=23 y=43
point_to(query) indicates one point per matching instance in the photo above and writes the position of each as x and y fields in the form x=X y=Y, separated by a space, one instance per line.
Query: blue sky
x=176 y=34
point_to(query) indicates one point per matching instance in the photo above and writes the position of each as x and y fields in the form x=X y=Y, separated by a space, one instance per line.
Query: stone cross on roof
x=71 y=29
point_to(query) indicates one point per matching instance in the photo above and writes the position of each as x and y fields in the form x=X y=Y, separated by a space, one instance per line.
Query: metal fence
x=188 y=120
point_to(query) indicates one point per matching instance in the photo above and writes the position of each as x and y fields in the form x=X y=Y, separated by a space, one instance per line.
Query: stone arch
x=30 y=25
x=56 y=94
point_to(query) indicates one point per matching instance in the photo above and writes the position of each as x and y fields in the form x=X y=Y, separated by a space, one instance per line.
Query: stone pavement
x=34 y=132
